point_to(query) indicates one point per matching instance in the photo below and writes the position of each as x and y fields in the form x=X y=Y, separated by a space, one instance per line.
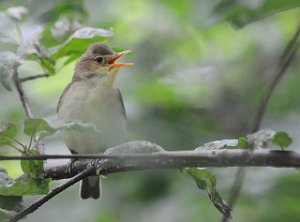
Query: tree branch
x=182 y=159
x=286 y=57
x=25 y=102
x=179 y=159
x=50 y=195
x=34 y=77
x=171 y=160
x=159 y=159
x=284 y=62
x=23 y=97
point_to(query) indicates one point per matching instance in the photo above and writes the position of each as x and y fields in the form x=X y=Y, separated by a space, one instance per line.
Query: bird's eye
x=99 y=60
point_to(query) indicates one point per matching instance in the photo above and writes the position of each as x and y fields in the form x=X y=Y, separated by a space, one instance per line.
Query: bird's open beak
x=114 y=58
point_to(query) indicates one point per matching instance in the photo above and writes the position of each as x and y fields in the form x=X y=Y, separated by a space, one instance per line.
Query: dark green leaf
x=25 y=166
x=240 y=14
x=80 y=40
x=34 y=168
x=206 y=180
x=282 y=139
x=48 y=65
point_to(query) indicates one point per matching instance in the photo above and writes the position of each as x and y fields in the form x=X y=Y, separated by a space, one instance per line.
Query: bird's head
x=98 y=61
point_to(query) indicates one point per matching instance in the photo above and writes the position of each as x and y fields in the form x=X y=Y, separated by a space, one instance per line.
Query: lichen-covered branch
x=181 y=159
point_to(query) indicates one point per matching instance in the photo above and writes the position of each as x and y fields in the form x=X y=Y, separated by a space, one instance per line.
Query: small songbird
x=91 y=97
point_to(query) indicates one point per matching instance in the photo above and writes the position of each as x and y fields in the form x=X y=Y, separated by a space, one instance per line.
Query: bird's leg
x=94 y=164
x=72 y=161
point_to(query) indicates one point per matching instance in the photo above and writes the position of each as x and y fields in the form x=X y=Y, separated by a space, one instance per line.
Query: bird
x=91 y=97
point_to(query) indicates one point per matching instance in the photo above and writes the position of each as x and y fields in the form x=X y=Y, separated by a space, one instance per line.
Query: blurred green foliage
x=200 y=69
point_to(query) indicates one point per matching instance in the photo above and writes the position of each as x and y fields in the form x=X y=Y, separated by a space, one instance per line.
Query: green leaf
x=241 y=14
x=9 y=205
x=80 y=40
x=7 y=130
x=7 y=62
x=35 y=51
x=27 y=186
x=242 y=144
x=206 y=180
x=20 y=187
x=45 y=127
x=25 y=166
x=4 y=141
x=34 y=168
x=40 y=126
x=48 y=65
x=73 y=11
x=282 y=139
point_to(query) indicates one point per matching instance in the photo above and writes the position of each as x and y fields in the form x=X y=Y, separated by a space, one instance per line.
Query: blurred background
x=200 y=70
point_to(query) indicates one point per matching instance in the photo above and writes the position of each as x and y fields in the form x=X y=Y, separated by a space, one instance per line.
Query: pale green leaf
x=80 y=40
x=7 y=62
x=206 y=180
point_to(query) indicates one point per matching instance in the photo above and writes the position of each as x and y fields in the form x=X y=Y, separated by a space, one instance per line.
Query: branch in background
x=285 y=60
x=23 y=97
x=34 y=77
x=50 y=195
x=26 y=104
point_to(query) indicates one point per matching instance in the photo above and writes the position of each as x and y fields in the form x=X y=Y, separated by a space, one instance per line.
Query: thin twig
x=22 y=95
x=17 y=141
x=235 y=189
x=267 y=95
x=26 y=104
x=16 y=148
x=43 y=75
x=52 y=194
x=286 y=57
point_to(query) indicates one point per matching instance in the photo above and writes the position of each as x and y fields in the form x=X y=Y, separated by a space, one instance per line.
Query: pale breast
x=98 y=105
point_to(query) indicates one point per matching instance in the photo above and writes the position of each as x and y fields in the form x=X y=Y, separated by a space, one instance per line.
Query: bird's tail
x=90 y=187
